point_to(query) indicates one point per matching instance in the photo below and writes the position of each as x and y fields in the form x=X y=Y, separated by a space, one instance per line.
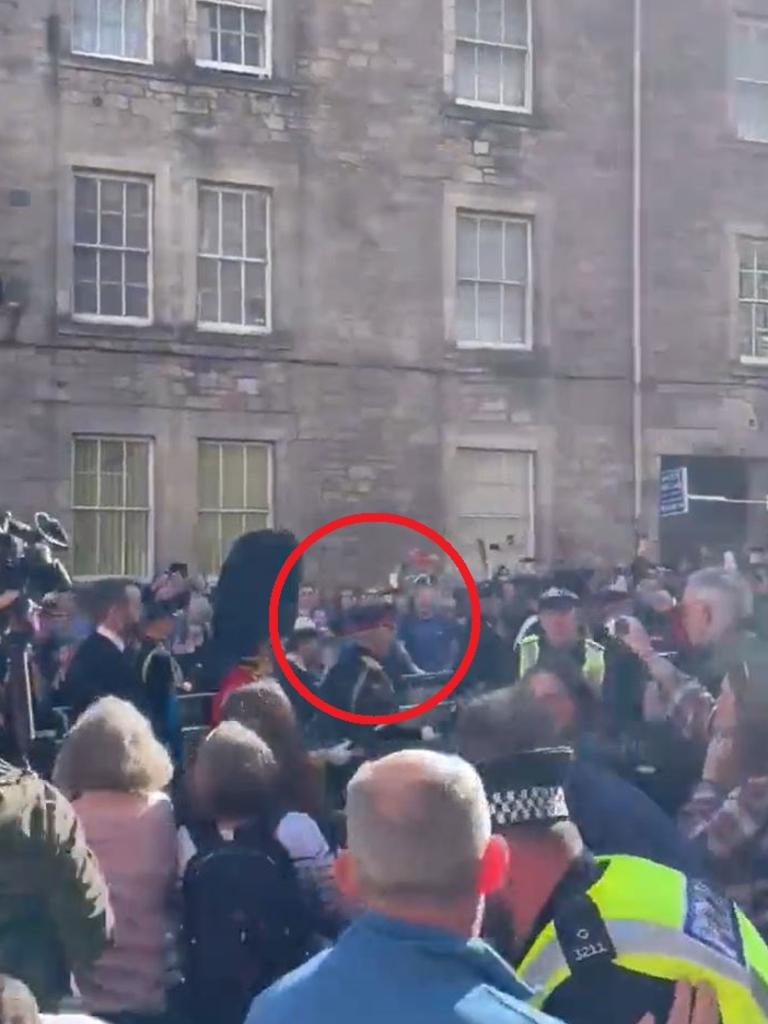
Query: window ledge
x=189 y=74
x=496 y=115
x=168 y=340
x=759 y=361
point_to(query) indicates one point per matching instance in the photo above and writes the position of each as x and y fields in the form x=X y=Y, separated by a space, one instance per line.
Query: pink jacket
x=134 y=839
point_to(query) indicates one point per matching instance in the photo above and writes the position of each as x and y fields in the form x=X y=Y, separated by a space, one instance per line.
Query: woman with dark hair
x=240 y=651
x=727 y=813
x=264 y=709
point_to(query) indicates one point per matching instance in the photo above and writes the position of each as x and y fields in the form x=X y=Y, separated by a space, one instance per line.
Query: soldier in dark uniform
x=358 y=682
x=160 y=675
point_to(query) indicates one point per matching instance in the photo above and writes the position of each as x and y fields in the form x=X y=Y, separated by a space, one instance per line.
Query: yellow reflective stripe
x=529 y=654
x=657 y=951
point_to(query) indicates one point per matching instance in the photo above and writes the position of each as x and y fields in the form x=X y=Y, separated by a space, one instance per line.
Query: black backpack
x=245 y=923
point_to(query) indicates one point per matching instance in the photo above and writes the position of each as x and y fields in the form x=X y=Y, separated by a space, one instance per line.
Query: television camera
x=29 y=569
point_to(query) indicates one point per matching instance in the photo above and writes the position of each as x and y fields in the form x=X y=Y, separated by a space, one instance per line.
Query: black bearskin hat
x=241 y=602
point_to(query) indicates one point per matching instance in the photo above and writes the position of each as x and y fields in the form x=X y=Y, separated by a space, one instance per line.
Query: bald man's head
x=418 y=826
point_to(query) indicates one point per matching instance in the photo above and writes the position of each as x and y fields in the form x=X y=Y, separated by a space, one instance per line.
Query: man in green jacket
x=54 y=903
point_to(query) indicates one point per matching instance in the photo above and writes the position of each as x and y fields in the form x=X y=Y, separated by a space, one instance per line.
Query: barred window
x=753 y=297
x=234 y=35
x=493 y=281
x=493 y=53
x=112 y=28
x=234 y=485
x=113 y=248
x=233 y=263
x=111 y=506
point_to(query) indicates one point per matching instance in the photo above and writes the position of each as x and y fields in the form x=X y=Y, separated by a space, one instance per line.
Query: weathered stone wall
x=360 y=385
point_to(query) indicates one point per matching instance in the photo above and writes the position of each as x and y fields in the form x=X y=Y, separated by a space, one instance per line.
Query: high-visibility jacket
x=653 y=920
x=593 y=666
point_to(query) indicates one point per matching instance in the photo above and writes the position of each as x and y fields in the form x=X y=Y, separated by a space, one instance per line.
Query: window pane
x=231 y=48
x=489 y=74
x=747 y=337
x=137 y=302
x=490 y=20
x=86 y=456
x=86 y=225
x=112 y=229
x=111 y=469
x=231 y=293
x=86 y=299
x=257 y=477
x=136 y=543
x=465 y=312
x=466 y=247
x=85 y=265
x=110 y=556
x=84 y=543
x=747 y=284
x=514 y=315
x=208 y=291
x=752 y=111
x=85 y=486
x=136 y=29
x=111 y=27
x=136 y=268
x=255 y=301
x=208 y=552
x=489 y=308
x=137 y=475
x=516 y=22
x=256 y=222
x=84 y=26
x=232 y=223
x=137 y=230
x=111 y=265
x=515 y=252
x=254 y=49
x=111 y=196
x=514 y=78
x=231 y=18
x=232 y=527
x=111 y=300
x=466 y=18
x=209 y=221
x=233 y=473
x=491 y=250
x=465 y=71
x=256 y=521
x=208 y=484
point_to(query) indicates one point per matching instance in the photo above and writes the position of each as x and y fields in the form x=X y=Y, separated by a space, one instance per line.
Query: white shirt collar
x=109 y=635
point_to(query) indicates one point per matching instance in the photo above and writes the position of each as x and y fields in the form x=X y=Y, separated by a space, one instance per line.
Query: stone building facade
x=161 y=389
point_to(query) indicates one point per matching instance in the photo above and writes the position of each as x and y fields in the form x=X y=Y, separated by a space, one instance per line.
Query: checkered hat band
x=537 y=803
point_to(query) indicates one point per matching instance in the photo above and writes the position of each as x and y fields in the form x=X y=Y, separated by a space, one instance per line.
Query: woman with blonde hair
x=115 y=771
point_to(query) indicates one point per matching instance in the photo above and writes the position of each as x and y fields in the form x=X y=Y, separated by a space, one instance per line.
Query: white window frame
x=531 y=460
x=748 y=358
x=528 y=222
x=220 y=512
x=243 y=69
x=149 y=59
x=752 y=21
x=228 y=328
x=527 y=106
x=125 y=439
x=99 y=318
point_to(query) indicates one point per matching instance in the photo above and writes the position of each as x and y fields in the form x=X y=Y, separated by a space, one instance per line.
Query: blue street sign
x=673 y=492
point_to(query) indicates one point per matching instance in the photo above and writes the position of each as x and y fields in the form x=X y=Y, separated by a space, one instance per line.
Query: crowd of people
x=579 y=834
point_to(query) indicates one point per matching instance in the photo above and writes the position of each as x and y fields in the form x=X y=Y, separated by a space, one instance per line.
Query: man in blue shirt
x=421 y=859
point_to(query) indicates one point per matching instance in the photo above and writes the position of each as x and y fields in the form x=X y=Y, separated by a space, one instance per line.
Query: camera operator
x=103 y=665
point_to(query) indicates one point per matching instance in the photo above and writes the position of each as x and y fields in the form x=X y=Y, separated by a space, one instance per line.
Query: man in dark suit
x=103 y=665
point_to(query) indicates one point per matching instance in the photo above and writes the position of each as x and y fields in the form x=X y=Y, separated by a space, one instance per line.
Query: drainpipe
x=637 y=252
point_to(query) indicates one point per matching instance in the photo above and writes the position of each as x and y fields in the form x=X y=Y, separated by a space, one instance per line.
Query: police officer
x=559 y=630
x=358 y=682
x=604 y=940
